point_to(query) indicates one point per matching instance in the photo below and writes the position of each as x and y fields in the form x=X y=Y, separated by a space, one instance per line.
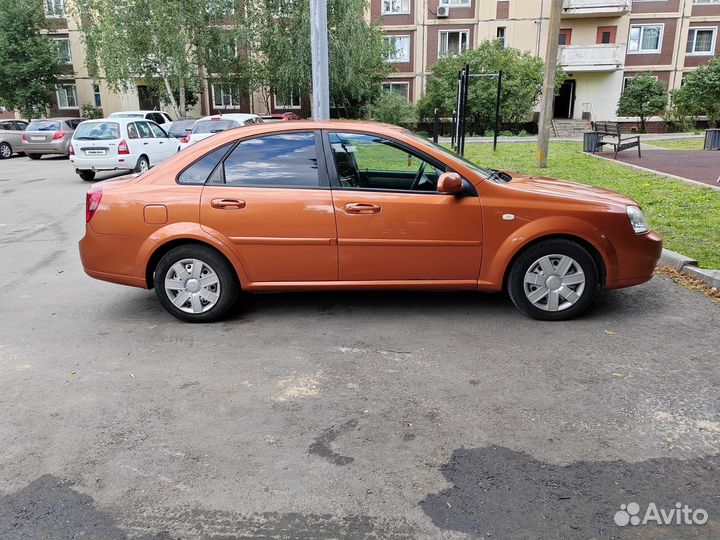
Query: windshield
x=97 y=131
x=213 y=126
x=43 y=125
x=485 y=172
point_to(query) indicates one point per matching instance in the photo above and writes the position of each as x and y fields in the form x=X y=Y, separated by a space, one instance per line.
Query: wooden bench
x=609 y=133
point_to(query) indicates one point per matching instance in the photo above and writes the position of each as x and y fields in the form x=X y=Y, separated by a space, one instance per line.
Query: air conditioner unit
x=443 y=11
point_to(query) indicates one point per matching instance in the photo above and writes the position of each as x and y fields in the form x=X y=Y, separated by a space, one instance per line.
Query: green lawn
x=687 y=217
x=677 y=144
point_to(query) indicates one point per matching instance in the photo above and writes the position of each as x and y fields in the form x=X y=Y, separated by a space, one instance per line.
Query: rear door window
x=144 y=130
x=200 y=171
x=157 y=131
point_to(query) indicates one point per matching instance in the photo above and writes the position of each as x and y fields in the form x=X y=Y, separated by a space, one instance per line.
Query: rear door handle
x=227 y=204
x=362 y=208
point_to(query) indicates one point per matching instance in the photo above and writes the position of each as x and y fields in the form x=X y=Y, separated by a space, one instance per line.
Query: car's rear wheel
x=143 y=165
x=196 y=284
x=554 y=280
x=5 y=151
x=88 y=176
x=34 y=156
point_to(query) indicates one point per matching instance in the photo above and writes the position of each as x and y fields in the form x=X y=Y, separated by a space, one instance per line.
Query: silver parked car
x=11 y=137
x=49 y=136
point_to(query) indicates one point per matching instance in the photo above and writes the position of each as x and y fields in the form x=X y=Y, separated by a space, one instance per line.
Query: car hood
x=541 y=185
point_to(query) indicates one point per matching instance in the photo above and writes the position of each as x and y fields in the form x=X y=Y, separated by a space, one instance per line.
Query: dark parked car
x=182 y=127
x=49 y=136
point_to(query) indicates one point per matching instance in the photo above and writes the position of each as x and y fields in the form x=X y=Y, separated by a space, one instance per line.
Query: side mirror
x=450 y=183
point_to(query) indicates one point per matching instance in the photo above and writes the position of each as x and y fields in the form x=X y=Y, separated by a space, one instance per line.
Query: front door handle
x=227 y=204
x=362 y=208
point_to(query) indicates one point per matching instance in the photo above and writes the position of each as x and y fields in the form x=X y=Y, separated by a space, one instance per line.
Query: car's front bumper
x=637 y=260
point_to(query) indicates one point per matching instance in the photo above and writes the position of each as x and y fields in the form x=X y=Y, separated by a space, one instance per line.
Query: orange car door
x=270 y=200
x=391 y=223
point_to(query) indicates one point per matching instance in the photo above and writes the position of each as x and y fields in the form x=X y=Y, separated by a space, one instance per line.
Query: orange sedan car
x=307 y=205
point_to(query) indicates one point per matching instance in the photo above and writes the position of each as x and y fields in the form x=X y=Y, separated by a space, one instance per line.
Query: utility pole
x=319 y=46
x=548 y=94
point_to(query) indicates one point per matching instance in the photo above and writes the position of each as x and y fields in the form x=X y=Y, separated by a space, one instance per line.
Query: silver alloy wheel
x=144 y=167
x=192 y=286
x=554 y=282
x=5 y=151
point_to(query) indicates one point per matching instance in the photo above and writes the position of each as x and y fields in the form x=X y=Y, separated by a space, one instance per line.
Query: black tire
x=527 y=260
x=138 y=166
x=5 y=151
x=34 y=156
x=88 y=176
x=229 y=286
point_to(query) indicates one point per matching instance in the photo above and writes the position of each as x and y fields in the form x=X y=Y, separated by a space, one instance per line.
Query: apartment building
x=603 y=43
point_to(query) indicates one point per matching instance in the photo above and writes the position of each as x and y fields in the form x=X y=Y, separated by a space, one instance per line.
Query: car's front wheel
x=88 y=176
x=196 y=284
x=554 y=280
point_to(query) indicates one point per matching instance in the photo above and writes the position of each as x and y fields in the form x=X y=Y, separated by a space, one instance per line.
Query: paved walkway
x=700 y=166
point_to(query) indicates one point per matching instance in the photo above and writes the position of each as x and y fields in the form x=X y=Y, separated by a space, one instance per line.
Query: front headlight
x=637 y=220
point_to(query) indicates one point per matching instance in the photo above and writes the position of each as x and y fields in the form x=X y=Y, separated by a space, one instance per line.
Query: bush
x=91 y=112
x=392 y=108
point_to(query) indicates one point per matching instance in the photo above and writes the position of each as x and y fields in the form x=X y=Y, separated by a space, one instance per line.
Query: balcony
x=595 y=8
x=588 y=58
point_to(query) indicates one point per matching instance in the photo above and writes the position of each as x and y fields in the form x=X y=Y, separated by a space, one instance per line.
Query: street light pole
x=319 y=46
x=548 y=94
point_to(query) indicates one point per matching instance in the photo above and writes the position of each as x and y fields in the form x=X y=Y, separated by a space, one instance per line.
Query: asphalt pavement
x=353 y=415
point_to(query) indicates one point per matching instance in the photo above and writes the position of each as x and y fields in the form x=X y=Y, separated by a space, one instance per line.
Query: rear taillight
x=24 y=138
x=92 y=201
x=72 y=150
x=185 y=139
x=58 y=135
x=123 y=148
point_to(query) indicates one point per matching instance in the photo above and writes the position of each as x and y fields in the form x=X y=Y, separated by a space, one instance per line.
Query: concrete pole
x=548 y=94
x=319 y=46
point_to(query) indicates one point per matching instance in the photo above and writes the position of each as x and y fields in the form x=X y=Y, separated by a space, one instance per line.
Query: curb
x=689 y=266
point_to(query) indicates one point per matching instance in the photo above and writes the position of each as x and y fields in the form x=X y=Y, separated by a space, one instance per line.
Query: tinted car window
x=9 y=126
x=214 y=126
x=21 y=125
x=180 y=128
x=199 y=171
x=157 y=118
x=275 y=160
x=43 y=125
x=97 y=131
x=74 y=123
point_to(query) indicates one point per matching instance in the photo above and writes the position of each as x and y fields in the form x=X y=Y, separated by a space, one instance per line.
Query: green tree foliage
x=29 y=61
x=392 y=108
x=170 y=45
x=522 y=83
x=700 y=94
x=356 y=53
x=644 y=96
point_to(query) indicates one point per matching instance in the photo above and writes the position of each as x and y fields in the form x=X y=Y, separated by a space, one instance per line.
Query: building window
x=565 y=37
x=395 y=7
x=645 y=38
x=63 y=45
x=453 y=42
x=706 y=1
x=96 y=94
x=55 y=8
x=222 y=97
x=501 y=35
x=701 y=41
x=292 y=103
x=66 y=96
x=399 y=48
x=456 y=3
x=402 y=88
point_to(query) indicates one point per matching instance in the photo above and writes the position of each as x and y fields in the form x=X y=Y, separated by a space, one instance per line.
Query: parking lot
x=326 y=415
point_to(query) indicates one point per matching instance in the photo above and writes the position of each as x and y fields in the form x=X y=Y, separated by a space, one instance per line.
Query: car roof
x=121 y=113
x=117 y=120
x=55 y=119
x=230 y=116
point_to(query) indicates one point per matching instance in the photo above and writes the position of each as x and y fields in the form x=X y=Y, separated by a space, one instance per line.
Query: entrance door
x=564 y=106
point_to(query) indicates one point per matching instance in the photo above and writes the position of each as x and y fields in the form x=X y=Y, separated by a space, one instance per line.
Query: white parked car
x=161 y=118
x=119 y=144
x=209 y=125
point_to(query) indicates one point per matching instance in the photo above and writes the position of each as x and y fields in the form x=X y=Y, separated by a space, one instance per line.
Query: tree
x=29 y=62
x=356 y=53
x=521 y=88
x=392 y=108
x=644 y=96
x=170 y=45
x=700 y=93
